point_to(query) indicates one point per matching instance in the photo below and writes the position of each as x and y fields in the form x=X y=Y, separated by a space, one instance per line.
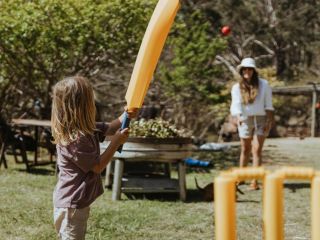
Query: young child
x=77 y=137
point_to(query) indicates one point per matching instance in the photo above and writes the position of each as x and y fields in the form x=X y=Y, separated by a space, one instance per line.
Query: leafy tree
x=43 y=41
x=283 y=33
x=188 y=74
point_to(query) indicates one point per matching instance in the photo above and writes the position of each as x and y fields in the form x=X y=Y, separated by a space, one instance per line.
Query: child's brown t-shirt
x=78 y=186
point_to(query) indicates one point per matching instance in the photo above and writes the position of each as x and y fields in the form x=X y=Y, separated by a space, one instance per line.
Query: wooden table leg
x=108 y=182
x=36 y=138
x=2 y=155
x=167 y=169
x=24 y=153
x=117 y=179
x=182 y=180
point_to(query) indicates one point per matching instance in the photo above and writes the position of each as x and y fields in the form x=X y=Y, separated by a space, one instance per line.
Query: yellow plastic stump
x=273 y=207
x=225 y=208
x=225 y=205
x=315 y=208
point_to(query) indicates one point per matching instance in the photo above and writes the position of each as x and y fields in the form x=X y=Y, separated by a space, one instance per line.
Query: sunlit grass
x=26 y=204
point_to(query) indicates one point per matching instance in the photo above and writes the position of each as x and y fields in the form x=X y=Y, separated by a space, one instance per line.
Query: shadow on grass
x=48 y=170
x=218 y=165
x=248 y=201
x=163 y=197
x=294 y=186
x=193 y=196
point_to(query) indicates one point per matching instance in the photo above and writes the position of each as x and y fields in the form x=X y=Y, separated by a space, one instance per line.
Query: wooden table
x=36 y=124
x=31 y=122
x=148 y=152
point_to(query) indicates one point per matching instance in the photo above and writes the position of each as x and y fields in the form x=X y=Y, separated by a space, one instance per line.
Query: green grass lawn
x=26 y=203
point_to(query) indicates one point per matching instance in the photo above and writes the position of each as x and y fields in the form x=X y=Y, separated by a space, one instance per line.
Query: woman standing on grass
x=252 y=106
x=77 y=136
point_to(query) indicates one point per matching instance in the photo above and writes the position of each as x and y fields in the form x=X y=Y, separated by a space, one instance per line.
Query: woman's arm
x=236 y=109
x=268 y=108
x=269 y=121
x=268 y=98
x=270 y=117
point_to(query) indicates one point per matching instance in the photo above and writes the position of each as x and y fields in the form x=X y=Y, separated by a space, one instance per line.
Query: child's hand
x=121 y=136
x=132 y=113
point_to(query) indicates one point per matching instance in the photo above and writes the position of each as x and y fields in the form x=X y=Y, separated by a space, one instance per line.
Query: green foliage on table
x=157 y=128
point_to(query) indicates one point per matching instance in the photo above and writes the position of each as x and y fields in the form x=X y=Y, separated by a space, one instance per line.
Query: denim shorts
x=252 y=125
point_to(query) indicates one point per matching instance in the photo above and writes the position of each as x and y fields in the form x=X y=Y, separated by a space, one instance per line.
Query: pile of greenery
x=157 y=128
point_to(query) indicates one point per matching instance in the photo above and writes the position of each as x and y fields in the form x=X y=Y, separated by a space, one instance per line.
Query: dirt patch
x=278 y=153
x=292 y=152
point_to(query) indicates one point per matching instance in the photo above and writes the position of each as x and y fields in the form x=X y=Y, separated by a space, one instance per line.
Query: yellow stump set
x=225 y=200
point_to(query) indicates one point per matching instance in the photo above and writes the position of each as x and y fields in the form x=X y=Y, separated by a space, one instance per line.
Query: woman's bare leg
x=257 y=157
x=245 y=151
x=257 y=146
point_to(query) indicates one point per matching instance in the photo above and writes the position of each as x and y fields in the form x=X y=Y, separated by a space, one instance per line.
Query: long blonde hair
x=249 y=90
x=73 y=109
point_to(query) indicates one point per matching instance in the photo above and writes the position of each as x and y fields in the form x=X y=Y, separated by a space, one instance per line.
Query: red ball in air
x=318 y=105
x=225 y=30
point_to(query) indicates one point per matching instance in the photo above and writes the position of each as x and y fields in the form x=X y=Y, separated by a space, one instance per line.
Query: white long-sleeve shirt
x=262 y=102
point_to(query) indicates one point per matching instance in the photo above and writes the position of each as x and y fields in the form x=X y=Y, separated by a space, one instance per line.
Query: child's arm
x=117 y=139
x=115 y=125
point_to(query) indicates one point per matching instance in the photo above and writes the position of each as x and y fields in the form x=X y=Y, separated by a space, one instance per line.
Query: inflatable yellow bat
x=150 y=50
x=149 y=53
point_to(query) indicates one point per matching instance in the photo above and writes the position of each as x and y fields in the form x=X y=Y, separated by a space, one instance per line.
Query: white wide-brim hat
x=247 y=62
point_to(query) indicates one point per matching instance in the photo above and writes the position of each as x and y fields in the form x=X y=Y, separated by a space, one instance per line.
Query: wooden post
x=108 y=182
x=2 y=155
x=117 y=179
x=313 y=112
x=182 y=180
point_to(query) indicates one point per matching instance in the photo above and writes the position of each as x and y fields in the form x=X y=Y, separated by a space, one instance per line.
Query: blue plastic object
x=125 y=124
x=196 y=163
x=125 y=121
